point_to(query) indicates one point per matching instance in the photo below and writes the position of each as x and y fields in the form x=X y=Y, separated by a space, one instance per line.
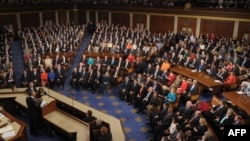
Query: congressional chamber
x=121 y=70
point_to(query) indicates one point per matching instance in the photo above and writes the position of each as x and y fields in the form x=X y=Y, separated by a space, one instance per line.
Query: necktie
x=147 y=96
x=116 y=73
x=156 y=72
x=222 y=120
x=192 y=119
x=243 y=63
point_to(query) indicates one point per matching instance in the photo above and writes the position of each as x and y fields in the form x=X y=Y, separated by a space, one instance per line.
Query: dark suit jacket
x=124 y=65
x=186 y=113
x=220 y=111
x=62 y=73
x=149 y=71
x=37 y=62
x=126 y=85
x=192 y=90
x=33 y=107
x=201 y=67
x=227 y=121
x=105 y=62
x=8 y=76
x=89 y=119
x=142 y=93
x=246 y=64
x=29 y=89
x=157 y=87
x=106 y=137
x=201 y=129
x=54 y=61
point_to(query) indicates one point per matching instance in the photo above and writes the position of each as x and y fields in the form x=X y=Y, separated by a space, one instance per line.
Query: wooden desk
x=242 y=101
x=18 y=126
x=116 y=127
x=69 y=124
x=59 y=119
x=202 y=78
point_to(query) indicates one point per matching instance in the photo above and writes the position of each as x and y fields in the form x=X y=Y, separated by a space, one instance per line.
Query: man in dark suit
x=10 y=78
x=145 y=100
x=31 y=87
x=39 y=62
x=105 y=82
x=202 y=66
x=60 y=76
x=156 y=72
x=186 y=112
x=24 y=78
x=89 y=117
x=245 y=62
x=192 y=122
x=156 y=86
x=130 y=97
x=35 y=77
x=56 y=61
x=125 y=88
x=64 y=61
x=97 y=81
x=74 y=82
x=149 y=70
x=91 y=76
x=105 y=135
x=140 y=95
x=34 y=112
x=112 y=62
x=222 y=74
x=126 y=64
x=192 y=89
x=105 y=61
x=116 y=75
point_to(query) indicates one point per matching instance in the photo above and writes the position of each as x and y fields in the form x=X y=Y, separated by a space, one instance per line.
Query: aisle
x=18 y=60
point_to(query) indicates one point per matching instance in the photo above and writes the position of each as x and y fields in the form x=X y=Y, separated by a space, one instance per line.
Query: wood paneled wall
x=8 y=19
x=92 y=16
x=49 y=16
x=187 y=24
x=161 y=24
x=120 y=18
x=244 y=27
x=219 y=27
x=82 y=17
x=139 y=19
x=62 y=17
x=73 y=17
x=103 y=16
x=27 y=22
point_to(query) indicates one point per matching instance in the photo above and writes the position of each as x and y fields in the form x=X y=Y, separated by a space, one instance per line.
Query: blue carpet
x=76 y=60
x=18 y=61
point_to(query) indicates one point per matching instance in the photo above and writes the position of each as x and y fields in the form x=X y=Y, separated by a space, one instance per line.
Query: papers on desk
x=219 y=76
x=8 y=134
x=1 y=115
x=43 y=103
x=218 y=81
x=240 y=92
x=193 y=70
x=208 y=71
x=6 y=129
